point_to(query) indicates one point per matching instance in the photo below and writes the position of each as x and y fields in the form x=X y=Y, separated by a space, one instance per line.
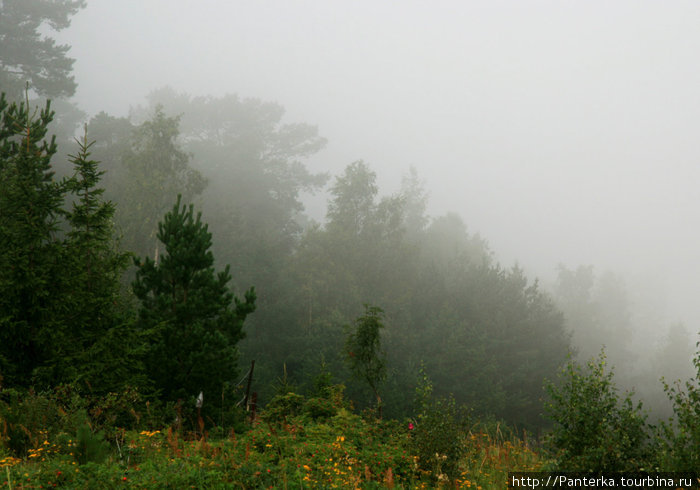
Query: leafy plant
x=439 y=430
x=25 y=419
x=365 y=355
x=595 y=429
x=681 y=441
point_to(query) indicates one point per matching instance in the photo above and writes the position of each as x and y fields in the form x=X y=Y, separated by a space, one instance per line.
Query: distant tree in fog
x=28 y=56
x=155 y=169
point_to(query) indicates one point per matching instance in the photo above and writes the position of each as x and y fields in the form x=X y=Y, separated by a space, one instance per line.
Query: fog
x=562 y=132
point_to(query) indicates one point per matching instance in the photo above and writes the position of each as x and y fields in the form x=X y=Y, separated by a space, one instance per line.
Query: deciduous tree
x=365 y=355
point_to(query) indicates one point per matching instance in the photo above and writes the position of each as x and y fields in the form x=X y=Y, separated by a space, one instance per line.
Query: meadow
x=298 y=442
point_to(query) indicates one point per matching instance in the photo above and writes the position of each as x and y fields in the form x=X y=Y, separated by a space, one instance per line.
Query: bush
x=438 y=434
x=595 y=430
x=283 y=408
x=28 y=418
x=681 y=444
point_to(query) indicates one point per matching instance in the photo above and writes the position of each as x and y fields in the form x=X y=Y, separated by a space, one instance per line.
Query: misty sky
x=562 y=131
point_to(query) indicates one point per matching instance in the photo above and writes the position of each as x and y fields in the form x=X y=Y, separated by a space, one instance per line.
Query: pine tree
x=31 y=254
x=194 y=320
x=28 y=55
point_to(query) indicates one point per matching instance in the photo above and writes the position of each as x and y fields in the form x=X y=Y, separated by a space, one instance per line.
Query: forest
x=171 y=316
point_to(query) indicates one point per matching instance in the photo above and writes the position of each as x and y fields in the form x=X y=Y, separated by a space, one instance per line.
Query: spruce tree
x=101 y=338
x=193 y=319
x=31 y=254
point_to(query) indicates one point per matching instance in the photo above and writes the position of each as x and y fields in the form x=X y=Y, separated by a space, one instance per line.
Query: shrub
x=25 y=420
x=283 y=407
x=681 y=444
x=438 y=434
x=594 y=429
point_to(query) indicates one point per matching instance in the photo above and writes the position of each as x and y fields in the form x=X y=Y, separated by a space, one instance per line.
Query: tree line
x=111 y=274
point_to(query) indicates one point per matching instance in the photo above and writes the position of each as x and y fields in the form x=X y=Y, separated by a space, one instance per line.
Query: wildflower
x=410 y=426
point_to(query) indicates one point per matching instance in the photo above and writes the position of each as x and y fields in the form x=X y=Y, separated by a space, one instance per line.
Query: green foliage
x=594 y=429
x=681 y=441
x=101 y=338
x=156 y=169
x=28 y=55
x=438 y=435
x=341 y=450
x=194 y=321
x=29 y=419
x=287 y=406
x=364 y=351
x=90 y=447
x=22 y=419
x=253 y=162
x=32 y=257
x=284 y=406
x=60 y=293
x=445 y=302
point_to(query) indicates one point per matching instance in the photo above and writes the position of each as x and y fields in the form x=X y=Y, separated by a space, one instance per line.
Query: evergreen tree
x=31 y=255
x=194 y=320
x=101 y=338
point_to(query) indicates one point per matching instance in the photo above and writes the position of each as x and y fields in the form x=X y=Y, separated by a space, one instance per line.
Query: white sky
x=562 y=131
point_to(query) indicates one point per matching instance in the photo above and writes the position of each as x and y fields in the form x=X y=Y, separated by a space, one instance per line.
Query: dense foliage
x=192 y=320
x=32 y=281
x=595 y=429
